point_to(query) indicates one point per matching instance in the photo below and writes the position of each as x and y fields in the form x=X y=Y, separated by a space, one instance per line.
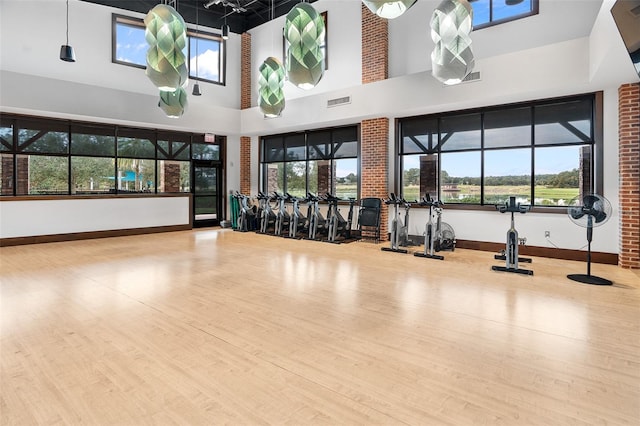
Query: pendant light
x=196 y=87
x=304 y=31
x=166 y=34
x=271 y=77
x=174 y=104
x=225 y=27
x=452 y=57
x=66 y=52
x=271 y=81
x=388 y=9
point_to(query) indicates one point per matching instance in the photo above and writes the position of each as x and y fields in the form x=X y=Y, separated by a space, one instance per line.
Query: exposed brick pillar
x=22 y=174
x=375 y=46
x=629 y=185
x=7 y=174
x=245 y=165
x=324 y=177
x=429 y=175
x=584 y=177
x=245 y=102
x=245 y=71
x=170 y=176
x=374 y=161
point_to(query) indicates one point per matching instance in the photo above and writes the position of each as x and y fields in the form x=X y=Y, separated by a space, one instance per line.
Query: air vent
x=473 y=76
x=635 y=11
x=338 y=101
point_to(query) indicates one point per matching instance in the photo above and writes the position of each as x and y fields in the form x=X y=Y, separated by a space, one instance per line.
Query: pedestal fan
x=589 y=211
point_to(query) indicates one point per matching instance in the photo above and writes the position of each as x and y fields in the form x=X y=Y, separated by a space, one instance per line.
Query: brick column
x=375 y=46
x=245 y=71
x=7 y=174
x=374 y=164
x=428 y=175
x=170 y=176
x=245 y=103
x=245 y=165
x=629 y=185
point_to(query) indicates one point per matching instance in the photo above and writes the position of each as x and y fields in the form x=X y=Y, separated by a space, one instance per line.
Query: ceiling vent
x=338 y=101
x=472 y=76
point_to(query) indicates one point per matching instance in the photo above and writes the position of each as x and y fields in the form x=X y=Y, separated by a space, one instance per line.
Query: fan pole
x=588 y=278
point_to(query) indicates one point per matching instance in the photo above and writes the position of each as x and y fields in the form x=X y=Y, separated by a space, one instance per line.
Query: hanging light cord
x=67 y=22
x=197 y=51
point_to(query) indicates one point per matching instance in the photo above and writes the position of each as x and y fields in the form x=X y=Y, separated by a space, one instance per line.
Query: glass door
x=206 y=193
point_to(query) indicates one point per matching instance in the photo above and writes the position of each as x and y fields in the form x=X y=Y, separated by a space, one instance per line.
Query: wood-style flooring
x=213 y=326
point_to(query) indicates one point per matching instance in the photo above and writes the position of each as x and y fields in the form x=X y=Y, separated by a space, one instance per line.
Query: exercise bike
x=338 y=229
x=432 y=233
x=282 y=216
x=316 y=221
x=399 y=231
x=511 y=252
x=297 y=221
x=267 y=216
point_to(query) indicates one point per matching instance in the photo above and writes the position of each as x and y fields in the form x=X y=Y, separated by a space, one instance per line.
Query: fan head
x=590 y=206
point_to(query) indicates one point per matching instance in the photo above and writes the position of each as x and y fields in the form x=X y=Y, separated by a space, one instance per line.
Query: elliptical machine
x=431 y=232
x=511 y=252
x=246 y=219
x=399 y=234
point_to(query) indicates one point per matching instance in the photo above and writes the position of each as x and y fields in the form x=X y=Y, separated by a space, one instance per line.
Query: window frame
x=535 y=9
x=117 y=19
x=330 y=157
x=596 y=143
x=17 y=122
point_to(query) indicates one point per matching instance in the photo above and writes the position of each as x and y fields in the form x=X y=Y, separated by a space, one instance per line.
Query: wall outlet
x=547 y=234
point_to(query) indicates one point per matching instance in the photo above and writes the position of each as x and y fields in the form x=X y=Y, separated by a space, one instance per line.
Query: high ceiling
x=241 y=15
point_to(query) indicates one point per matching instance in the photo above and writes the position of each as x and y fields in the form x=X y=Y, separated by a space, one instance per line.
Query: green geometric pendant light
x=388 y=9
x=174 y=104
x=305 y=34
x=271 y=81
x=166 y=34
x=452 y=58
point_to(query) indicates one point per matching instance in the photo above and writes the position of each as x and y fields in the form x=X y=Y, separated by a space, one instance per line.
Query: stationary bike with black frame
x=511 y=252
x=432 y=231
x=399 y=234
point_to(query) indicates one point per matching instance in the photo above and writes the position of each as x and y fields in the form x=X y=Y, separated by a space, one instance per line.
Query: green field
x=471 y=193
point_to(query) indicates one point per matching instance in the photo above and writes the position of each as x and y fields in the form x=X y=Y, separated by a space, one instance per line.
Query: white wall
x=35 y=81
x=344 y=38
x=51 y=217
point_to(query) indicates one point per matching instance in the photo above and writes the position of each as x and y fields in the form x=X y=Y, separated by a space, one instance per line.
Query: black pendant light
x=196 y=87
x=66 y=52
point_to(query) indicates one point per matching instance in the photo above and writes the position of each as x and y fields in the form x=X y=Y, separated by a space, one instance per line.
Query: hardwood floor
x=219 y=327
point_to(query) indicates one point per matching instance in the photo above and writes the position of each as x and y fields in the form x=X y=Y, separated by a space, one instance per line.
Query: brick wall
x=374 y=159
x=245 y=71
x=375 y=46
x=245 y=102
x=629 y=177
x=245 y=165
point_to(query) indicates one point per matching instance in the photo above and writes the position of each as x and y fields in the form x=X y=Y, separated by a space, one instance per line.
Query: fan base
x=589 y=279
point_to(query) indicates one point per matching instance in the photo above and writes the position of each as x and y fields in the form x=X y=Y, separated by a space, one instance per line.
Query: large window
x=320 y=162
x=541 y=152
x=492 y=12
x=129 y=47
x=40 y=156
